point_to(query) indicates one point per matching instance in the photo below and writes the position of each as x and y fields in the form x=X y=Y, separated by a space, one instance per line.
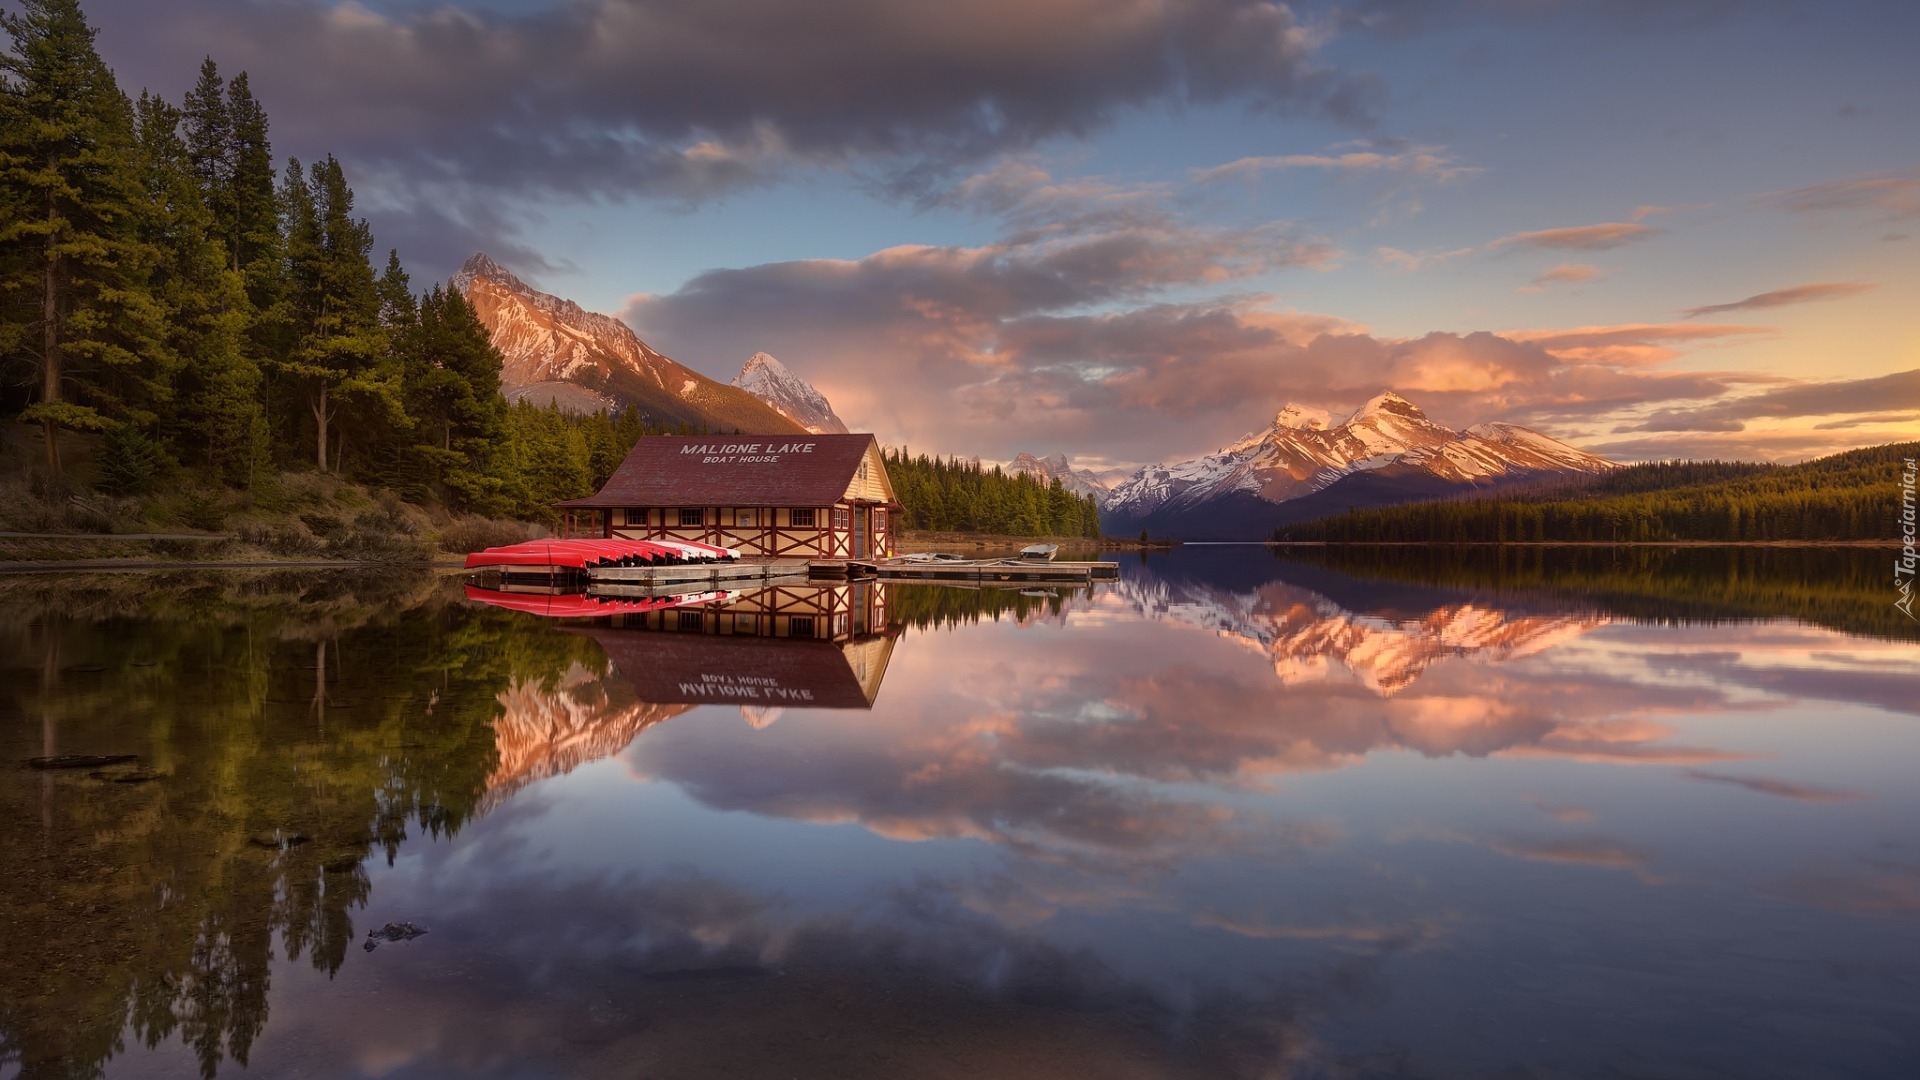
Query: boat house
x=785 y=496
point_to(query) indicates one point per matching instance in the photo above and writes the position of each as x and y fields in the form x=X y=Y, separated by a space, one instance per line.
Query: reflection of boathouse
x=825 y=496
x=786 y=646
x=766 y=651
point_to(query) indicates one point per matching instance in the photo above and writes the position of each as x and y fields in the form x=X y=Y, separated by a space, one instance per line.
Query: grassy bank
x=293 y=517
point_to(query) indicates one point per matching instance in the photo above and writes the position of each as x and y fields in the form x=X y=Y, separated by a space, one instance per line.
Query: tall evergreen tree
x=214 y=420
x=72 y=265
x=338 y=342
x=209 y=138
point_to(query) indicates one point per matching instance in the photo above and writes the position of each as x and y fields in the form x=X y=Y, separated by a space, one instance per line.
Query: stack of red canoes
x=581 y=554
x=585 y=606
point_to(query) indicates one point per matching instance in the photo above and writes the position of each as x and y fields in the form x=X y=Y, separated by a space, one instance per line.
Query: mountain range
x=555 y=351
x=1302 y=466
x=1306 y=465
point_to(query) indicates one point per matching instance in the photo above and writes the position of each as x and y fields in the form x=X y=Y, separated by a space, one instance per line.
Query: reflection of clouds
x=1597 y=851
x=1785 y=790
x=1881 y=888
x=1566 y=814
x=684 y=975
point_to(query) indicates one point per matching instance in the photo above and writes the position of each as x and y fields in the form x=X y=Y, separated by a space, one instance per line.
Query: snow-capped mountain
x=790 y=395
x=556 y=351
x=1046 y=470
x=1305 y=451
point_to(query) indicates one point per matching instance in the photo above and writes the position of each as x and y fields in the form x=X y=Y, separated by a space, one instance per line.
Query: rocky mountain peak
x=1387 y=403
x=1083 y=482
x=1303 y=418
x=555 y=351
x=481 y=265
x=793 y=397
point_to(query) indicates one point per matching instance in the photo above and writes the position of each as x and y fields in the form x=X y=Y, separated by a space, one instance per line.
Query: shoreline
x=1894 y=544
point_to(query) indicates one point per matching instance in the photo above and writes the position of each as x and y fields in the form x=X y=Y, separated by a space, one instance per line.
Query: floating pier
x=736 y=571
x=1007 y=570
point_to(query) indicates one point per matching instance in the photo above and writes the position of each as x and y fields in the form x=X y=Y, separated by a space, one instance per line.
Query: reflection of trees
x=941 y=606
x=291 y=725
x=1843 y=589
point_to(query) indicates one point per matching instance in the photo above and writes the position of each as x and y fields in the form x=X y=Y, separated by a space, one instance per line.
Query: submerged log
x=81 y=761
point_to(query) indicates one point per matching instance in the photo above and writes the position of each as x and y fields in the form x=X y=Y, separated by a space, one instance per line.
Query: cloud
x=1630 y=344
x=1060 y=328
x=1798 y=294
x=1564 y=274
x=1407 y=262
x=1600 y=237
x=689 y=100
x=1886 y=196
x=1900 y=390
x=1868 y=420
x=1433 y=163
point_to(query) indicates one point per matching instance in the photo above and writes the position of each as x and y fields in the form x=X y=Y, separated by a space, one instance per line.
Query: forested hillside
x=1849 y=496
x=208 y=317
x=949 y=494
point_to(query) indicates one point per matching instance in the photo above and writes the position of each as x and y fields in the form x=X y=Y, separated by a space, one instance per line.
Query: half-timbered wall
x=773 y=531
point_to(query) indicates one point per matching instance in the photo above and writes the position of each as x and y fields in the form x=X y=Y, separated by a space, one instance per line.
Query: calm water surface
x=1576 y=814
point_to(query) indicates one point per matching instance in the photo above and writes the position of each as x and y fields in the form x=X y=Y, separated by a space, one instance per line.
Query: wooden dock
x=736 y=573
x=1000 y=570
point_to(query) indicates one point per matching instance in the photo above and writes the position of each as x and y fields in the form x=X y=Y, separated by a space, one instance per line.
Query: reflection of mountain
x=1311 y=637
x=550 y=727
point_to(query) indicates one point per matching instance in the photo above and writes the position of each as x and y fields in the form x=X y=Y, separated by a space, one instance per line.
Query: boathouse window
x=743 y=517
x=800 y=626
x=802 y=516
x=840 y=519
x=879 y=521
x=693 y=620
x=692 y=515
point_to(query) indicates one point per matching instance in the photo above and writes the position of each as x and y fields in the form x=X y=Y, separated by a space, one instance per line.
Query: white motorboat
x=1039 y=552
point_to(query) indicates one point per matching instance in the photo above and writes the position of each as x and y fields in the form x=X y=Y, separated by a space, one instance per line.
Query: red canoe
x=580 y=554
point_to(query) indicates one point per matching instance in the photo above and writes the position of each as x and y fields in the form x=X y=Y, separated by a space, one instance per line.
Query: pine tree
x=334 y=304
x=72 y=266
x=214 y=417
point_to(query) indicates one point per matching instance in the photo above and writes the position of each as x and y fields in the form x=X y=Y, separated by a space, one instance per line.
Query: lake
x=1242 y=813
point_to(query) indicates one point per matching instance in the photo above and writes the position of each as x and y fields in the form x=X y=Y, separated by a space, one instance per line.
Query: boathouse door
x=862 y=530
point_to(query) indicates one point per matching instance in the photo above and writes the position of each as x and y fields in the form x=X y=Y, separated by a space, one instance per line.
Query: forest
x=948 y=494
x=180 y=311
x=1848 y=496
x=190 y=311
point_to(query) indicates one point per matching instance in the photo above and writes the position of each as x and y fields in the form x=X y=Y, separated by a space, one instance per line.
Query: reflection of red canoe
x=583 y=605
x=579 y=554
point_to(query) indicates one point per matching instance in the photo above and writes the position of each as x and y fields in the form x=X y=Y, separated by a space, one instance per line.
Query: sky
x=1132 y=230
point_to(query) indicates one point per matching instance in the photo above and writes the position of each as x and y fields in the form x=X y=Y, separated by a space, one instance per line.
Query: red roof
x=733 y=470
